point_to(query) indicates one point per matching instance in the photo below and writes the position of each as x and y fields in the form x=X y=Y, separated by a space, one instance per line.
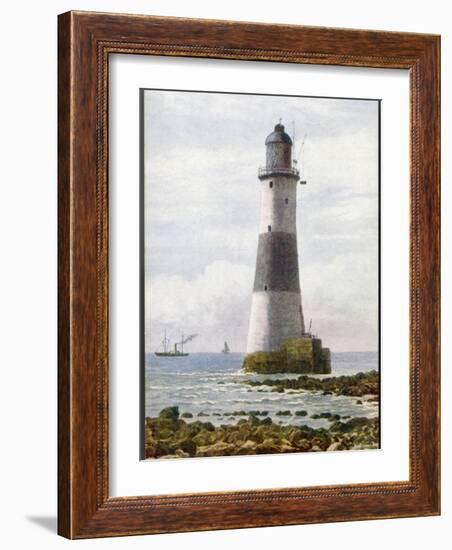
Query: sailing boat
x=167 y=352
x=226 y=348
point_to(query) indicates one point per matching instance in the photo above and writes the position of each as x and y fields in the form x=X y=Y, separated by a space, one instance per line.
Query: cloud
x=215 y=304
x=341 y=297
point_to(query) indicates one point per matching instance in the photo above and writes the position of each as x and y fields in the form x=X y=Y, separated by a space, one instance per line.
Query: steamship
x=176 y=352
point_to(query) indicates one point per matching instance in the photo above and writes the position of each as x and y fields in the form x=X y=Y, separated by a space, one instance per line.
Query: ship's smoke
x=188 y=338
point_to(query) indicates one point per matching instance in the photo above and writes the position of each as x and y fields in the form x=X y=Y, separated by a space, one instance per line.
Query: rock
x=181 y=454
x=208 y=426
x=150 y=448
x=202 y=413
x=327 y=415
x=293 y=434
x=170 y=456
x=283 y=413
x=236 y=438
x=354 y=424
x=203 y=438
x=170 y=413
x=187 y=415
x=188 y=446
x=338 y=427
x=284 y=448
x=245 y=431
x=301 y=413
x=303 y=445
x=336 y=446
x=260 y=434
x=191 y=429
x=164 y=434
x=217 y=449
x=268 y=446
x=249 y=445
x=322 y=442
x=163 y=448
x=163 y=424
x=254 y=420
x=359 y=422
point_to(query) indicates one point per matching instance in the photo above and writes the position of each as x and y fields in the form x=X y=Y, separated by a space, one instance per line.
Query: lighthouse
x=277 y=339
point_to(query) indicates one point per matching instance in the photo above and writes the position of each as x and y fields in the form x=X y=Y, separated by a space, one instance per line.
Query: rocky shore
x=169 y=436
x=355 y=385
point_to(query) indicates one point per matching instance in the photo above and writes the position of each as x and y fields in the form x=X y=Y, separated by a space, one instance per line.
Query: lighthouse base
x=297 y=355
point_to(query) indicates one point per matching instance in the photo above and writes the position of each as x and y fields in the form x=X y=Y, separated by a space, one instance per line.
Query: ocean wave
x=197 y=389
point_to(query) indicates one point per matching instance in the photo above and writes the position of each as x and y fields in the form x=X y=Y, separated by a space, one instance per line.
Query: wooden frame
x=85 y=42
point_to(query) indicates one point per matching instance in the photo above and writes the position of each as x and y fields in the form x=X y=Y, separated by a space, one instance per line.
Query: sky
x=202 y=197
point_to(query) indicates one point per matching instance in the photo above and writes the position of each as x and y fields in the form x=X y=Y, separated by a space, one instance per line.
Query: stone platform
x=298 y=355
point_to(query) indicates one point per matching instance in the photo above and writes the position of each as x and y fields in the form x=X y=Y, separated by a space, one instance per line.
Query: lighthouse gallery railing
x=264 y=172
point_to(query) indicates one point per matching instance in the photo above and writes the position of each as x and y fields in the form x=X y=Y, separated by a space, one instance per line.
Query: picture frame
x=85 y=507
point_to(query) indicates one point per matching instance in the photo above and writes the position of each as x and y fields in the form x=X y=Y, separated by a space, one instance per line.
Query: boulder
x=303 y=445
x=188 y=446
x=169 y=413
x=269 y=445
x=220 y=448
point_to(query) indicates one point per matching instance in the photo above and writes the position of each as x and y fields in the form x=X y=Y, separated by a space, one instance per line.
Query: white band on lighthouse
x=272 y=319
x=278 y=205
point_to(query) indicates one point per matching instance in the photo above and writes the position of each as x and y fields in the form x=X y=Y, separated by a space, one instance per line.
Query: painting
x=260 y=262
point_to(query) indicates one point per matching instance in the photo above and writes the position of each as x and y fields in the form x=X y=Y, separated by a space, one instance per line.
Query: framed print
x=248 y=275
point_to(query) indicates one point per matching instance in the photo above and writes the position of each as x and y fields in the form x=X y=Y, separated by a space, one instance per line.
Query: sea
x=208 y=385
